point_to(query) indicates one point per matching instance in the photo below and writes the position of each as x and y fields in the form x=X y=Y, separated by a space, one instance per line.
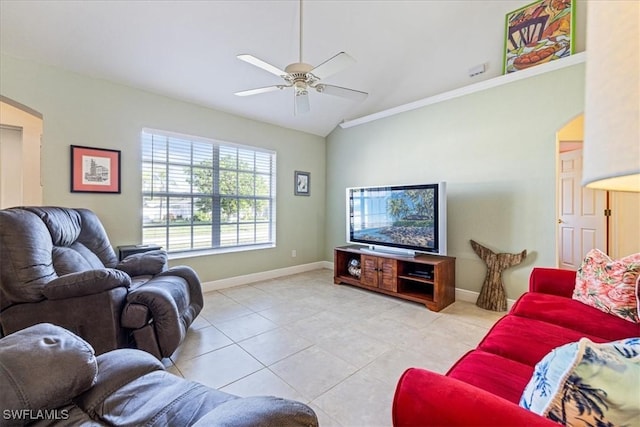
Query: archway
x=20 y=139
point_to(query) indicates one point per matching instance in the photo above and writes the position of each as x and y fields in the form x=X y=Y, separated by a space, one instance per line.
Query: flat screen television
x=399 y=218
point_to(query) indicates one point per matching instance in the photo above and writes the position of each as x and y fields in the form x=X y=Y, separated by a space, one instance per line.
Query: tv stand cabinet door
x=380 y=272
x=369 y=275
x=388 y=274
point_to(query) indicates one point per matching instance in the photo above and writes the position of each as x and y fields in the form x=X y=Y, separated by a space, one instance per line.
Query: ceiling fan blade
x=332 y=65
x=261 y=64
x=260 y=90
x=343 y=92
x=301 y=105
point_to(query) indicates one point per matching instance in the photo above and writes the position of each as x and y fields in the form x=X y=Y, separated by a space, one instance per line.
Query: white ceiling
x=405 y=50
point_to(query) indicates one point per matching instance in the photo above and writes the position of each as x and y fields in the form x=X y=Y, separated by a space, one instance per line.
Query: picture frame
x=537 y=33
x=94 y=170
x=301 y=183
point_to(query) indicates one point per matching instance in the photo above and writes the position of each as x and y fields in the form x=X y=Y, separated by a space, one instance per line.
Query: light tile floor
x=339 y=349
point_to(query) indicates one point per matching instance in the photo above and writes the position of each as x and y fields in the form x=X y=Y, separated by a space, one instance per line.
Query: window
x=200 y=194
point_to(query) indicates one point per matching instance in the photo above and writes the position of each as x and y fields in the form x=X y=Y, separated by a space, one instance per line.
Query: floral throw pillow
x=609 y=285
x=587 y=384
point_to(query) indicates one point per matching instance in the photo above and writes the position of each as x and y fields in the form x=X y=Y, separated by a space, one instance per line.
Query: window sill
x=218 y=251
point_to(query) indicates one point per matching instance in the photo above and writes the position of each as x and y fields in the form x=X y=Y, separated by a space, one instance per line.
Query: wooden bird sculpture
x=492 y=295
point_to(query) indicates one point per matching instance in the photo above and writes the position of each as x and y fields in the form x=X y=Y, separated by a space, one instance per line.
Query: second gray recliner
x=50 y=377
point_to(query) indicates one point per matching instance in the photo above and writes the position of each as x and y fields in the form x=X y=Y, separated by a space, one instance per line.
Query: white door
x=10 y=166
x=582 y=222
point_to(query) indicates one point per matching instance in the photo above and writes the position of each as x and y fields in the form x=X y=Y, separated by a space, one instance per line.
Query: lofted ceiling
x=404 y=50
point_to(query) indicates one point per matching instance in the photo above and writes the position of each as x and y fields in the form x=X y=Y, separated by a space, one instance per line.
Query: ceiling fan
x=302 y=77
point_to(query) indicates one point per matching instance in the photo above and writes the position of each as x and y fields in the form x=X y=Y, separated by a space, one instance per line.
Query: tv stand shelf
x=427 y=279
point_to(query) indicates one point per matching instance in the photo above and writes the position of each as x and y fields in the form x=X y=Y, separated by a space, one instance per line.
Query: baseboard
x=466 y=296
x=472 y=296
x=461 y=294
x=263 y=275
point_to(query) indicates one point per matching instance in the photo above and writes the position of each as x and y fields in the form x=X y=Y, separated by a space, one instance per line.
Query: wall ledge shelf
x=504 y=79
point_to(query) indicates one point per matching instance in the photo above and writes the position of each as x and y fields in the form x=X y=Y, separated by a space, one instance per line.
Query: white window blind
x=201 y=194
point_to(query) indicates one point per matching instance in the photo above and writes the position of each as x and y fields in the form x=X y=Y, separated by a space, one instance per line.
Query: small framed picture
x=94 y=170
x=301 y=183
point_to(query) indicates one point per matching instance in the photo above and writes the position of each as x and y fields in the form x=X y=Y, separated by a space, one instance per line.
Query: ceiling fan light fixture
x=301 y=86
x=301 y=103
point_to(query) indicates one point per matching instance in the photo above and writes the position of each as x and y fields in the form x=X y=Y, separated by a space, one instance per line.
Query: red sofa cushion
x=496 y=374
x=427 y=398
x=528 y=340
x=574 y=315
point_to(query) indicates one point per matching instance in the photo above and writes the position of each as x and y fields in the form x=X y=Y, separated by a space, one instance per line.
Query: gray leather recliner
x=49 y=376
x=58 y=266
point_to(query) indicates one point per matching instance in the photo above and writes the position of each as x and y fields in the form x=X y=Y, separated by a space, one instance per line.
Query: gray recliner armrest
x=84 y=283
x=42 y=367
x=145 y=263
x=157 y=296
x=192 y=279
x=173 y=299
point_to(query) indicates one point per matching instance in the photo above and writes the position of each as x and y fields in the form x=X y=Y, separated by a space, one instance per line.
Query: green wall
x=496 y=149
x=79 y=110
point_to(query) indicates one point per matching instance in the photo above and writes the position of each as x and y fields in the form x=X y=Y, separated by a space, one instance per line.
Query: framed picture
x=302 y=183
x=94 y=170
x=538 y=33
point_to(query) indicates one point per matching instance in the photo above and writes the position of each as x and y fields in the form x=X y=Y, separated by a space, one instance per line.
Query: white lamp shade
x=611 y=153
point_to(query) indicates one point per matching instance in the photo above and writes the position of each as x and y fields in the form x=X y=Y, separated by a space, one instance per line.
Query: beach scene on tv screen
x=394 y=217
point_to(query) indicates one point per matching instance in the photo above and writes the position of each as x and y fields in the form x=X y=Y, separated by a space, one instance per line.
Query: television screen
x=411 y=217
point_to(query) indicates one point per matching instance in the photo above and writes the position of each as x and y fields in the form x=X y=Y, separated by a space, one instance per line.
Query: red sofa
x=485 y=385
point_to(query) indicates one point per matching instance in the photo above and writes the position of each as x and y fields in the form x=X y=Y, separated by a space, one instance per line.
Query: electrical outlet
x=294 y=253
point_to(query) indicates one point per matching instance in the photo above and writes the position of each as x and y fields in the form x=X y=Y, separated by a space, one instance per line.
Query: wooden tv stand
x=427 y=279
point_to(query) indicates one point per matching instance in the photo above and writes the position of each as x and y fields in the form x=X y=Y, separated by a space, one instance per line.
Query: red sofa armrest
x=552 y=281
x=425 y=398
